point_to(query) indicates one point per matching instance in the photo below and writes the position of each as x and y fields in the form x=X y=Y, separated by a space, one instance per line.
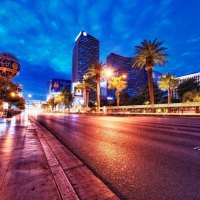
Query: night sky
x=41 y=34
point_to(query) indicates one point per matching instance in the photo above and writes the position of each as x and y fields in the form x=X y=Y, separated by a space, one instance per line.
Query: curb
x=142 y=114
x=73 y=179
x=64 y=187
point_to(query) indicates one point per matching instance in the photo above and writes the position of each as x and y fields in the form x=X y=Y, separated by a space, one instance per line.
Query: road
x=140 y=157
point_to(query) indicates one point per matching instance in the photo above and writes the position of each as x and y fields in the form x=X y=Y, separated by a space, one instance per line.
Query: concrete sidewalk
x=34 y=165
x=24 y=170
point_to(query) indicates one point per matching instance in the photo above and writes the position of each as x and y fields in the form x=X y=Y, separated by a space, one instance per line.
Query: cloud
x=193 y=40
x=41 y=33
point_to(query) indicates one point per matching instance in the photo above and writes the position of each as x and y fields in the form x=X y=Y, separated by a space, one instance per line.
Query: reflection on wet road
x=9 y=130
x=138 y=157
x=24 y=170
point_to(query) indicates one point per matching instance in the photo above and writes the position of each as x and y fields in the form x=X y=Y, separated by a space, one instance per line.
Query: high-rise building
x=85 y=52
x=136 y=78
x=156 y=76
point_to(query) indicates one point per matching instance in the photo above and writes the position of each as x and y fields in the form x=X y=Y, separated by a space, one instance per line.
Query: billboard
x=57 y=85
x=78 y=92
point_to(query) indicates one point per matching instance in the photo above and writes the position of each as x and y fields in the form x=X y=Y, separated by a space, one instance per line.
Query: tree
x=95 y=72
x=67 y=98
x=143 y=95
x=6 y=88
x=189 y=85
x=9 y=93
x=52 y=103
x=59 y=100
x=86 y=86
x=118 y=84
x=197 y=97
x=17 y=101
x=125 y=98
x=191 y=97
x=45 y=106
x=147 y=55
x=168 y=82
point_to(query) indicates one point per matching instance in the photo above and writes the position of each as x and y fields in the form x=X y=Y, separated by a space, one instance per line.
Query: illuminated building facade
x=85 y=52
x=136 y=78
x=156 y=76
x=57 y=85
x=196 y=76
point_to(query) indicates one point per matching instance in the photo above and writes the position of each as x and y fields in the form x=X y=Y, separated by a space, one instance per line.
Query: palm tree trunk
x=98 y=97
x=169 y=95
x=150 y=84
x=65 y=107
x=87 y=99
x=118 y=99
x=169 y=99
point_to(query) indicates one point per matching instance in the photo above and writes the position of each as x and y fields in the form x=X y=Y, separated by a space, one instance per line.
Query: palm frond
x=95 y=71
x=167 y=81
x=150 y=53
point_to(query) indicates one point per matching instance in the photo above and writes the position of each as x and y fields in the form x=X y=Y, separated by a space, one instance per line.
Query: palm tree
x=168 y=82
x=86 y=86
x=197 y=97
x=147 y=55
x=59 y=100
x=118 y=84
x=52 y=103
x=189 y=85
x=67 y=98
x=95 y=72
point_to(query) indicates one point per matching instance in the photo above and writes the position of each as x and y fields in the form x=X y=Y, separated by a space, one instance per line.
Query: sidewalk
x=24 y=171
x=34 y=165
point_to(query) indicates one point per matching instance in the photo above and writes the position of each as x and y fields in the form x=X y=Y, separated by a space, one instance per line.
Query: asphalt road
x=137 y=157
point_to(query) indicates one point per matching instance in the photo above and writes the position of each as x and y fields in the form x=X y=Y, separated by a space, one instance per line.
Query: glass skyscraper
x=85 y=52
x=136 y=78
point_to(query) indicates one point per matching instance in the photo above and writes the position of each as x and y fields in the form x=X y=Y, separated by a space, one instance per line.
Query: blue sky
x=41 y=34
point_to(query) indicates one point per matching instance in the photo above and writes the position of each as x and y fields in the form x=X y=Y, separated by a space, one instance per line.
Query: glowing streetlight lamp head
x=124 y=76
x=12 y=94
x=108 y=72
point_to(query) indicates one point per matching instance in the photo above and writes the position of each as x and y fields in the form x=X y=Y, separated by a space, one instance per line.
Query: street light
x=108 y=72
x=12 y=94
x=124 y=76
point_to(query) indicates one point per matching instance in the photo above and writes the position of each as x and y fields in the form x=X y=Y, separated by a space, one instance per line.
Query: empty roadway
x=137 y=157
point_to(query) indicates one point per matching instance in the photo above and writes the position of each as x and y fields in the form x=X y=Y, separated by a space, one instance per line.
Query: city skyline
x=42 y=35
